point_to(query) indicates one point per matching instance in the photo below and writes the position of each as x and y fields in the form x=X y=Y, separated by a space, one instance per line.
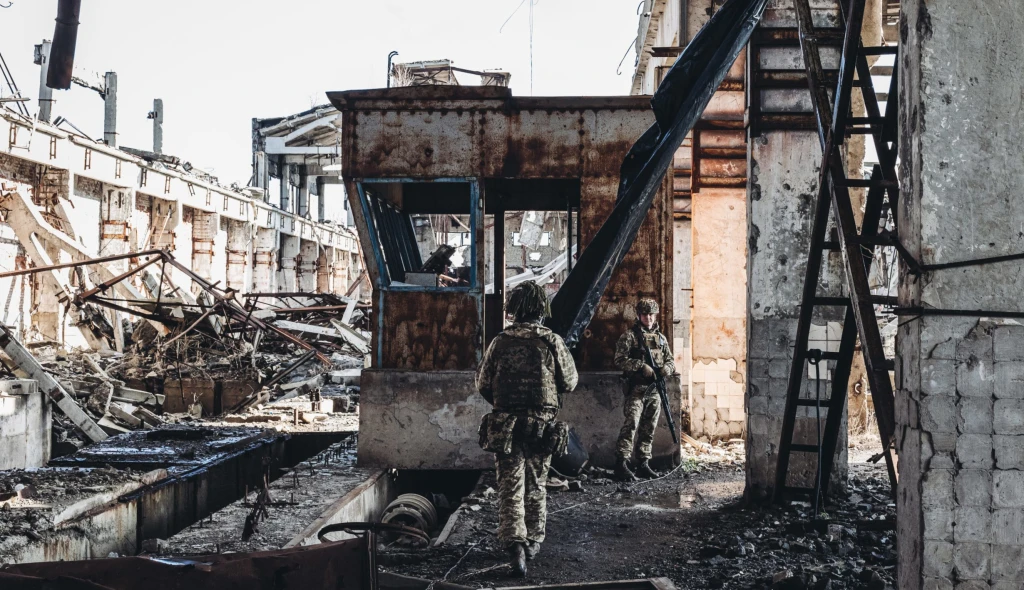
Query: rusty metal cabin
x=479 y=151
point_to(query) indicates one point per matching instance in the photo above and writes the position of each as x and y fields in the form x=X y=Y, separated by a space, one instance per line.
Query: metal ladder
x=834 y=125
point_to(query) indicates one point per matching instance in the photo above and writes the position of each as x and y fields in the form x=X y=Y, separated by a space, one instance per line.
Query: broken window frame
x=385 y=281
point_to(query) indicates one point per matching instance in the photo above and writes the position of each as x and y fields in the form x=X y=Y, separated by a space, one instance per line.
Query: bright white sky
x=218 y=63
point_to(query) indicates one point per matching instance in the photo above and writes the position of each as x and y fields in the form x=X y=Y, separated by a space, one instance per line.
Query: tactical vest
x=525 y=374
x=654 y=341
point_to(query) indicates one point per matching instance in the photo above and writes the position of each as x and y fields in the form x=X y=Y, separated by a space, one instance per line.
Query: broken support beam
x=100 y=260
x=28 y=363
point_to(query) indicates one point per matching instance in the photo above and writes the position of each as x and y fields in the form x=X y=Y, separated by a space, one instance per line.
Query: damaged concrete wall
x=960 y=400
x=719 y=314
x=25 y=425
x=783 y=187
x=433 y=418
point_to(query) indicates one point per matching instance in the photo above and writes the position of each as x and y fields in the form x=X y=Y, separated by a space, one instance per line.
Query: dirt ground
x=690 y=526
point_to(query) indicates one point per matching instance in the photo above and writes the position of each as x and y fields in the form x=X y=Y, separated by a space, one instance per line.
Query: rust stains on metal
x=431 y=132
x=473 y=132
x=431 y=331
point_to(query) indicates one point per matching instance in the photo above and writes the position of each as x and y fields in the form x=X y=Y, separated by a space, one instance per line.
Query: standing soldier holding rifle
x=643 y=355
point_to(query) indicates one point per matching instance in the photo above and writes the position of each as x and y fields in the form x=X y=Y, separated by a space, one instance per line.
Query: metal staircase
x=832 y=110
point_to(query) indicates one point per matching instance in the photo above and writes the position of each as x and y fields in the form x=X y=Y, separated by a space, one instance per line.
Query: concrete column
x=219 y=263
x=960 y=380
x=325 y=270
x=45 y=93
x=288 y=256
x=158 y=125
x=783 y=188
x=164 y=216
x=719 y=314
x=116 y=207
x=264 y=271
x=45 y=319
x=682 y=284
x=302 y=193
x=342 y=270
x=305 y=267
x=110 y=109
x=183 y=243
x=321 y=201
x=204 y=232
x=238 y=247
x=286 y=185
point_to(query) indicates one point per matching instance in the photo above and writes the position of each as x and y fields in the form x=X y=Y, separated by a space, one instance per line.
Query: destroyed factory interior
x=736 y=314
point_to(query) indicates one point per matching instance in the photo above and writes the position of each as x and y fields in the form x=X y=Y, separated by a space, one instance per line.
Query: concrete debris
x=36 y=504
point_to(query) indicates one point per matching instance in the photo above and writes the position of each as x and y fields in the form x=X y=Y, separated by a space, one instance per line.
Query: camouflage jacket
x=526 y=367
x=630 y=356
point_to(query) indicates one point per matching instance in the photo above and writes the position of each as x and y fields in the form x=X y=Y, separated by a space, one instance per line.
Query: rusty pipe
x=62 y=50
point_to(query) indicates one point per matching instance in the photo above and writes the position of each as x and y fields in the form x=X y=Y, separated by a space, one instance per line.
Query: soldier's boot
x=532 y=549
x=622 y=472
x=517 y=559
x=645 y=471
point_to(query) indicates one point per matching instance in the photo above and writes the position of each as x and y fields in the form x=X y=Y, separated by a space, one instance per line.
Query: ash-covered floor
x=689 y=526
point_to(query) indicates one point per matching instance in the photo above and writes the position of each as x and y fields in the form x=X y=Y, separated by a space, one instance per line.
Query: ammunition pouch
x=496 y=432
x=499 y=432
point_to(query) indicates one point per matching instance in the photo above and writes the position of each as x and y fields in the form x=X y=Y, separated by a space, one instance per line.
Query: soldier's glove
x=666 y=371
x=647 y=372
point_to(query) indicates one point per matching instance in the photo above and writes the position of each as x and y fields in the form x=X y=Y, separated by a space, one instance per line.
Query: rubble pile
x=276 y=347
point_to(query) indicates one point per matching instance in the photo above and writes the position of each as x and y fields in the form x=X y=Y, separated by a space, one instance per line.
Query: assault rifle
x=659 y=382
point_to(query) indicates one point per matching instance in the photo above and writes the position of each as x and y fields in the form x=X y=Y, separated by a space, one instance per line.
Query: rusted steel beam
x=723 y=182
x=790 y=37
x=233 y=309
x=101 y=260
x=320 y=308
x=724 y=153
x=788 y=122
x=784 y=79
x=114 y=280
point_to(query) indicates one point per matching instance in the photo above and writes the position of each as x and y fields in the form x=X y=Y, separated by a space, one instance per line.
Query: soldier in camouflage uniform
x=643 y=404
x=524 y=372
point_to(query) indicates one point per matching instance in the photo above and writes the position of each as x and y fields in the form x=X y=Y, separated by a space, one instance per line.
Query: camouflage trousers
x=522 y=497
x=641 y=422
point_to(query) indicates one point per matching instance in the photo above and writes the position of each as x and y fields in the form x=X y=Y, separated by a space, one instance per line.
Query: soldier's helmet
x=646 y=305
x=528 y=301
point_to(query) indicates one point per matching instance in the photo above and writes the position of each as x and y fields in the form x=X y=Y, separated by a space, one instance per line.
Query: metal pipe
x=684 y=15
x=568 y=250
x=62 y=51
x=391 y=56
